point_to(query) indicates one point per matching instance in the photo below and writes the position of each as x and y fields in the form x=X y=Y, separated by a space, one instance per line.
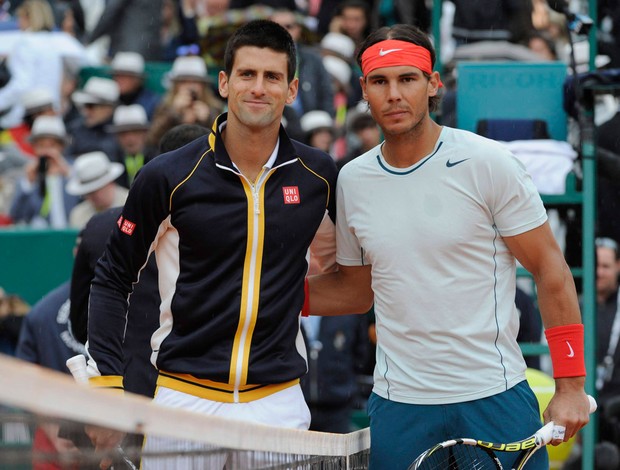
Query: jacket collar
x=286 y=150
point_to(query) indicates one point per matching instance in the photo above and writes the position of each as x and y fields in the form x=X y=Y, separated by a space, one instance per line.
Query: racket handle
x=77 y=367
x=593 y=404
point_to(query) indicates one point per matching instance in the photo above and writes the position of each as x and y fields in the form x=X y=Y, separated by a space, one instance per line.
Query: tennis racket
x=470 y=454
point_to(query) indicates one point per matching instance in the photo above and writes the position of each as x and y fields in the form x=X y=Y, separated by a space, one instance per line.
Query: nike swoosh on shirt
x=570 y=348
x=450 y=164
x=388 y=51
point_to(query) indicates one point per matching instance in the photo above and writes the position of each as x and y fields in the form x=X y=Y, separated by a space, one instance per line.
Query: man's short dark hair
x=263 y=34
x=362 y=121
x=403 y=32
x=181 y=135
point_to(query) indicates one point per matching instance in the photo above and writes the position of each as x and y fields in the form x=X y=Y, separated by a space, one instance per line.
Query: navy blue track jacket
x=232 y=257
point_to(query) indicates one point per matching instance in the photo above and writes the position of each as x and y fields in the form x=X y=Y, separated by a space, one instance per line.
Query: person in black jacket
x=231 y=218
x=140 y=375
x=337 y=350
x=490 y=20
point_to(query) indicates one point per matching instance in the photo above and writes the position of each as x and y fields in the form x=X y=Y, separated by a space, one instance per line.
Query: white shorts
x=286 y=408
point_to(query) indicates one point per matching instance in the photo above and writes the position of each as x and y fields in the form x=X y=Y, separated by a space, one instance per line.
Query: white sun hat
x=317 y=119
x=129 y=118
x=338 y=69
x=128 y=63
x=48 y=126
x=338 y=43
x=92 y=171
x=36 y=100
x=98 y=90
x=189 y=68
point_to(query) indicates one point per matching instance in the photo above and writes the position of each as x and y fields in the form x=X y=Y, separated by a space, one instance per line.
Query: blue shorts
x=399 y=432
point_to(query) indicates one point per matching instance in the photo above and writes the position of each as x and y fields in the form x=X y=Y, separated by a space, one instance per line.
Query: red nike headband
x=392 y=52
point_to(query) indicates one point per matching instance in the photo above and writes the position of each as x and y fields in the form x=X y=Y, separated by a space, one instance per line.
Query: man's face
x=353 y=21
x=322 y=139
x=607 y=270
x=127 y=83
x=257 y=89
x=47 y=145
x=95 y=114
x=398 y=97
x=287 y=20
x=102 y=198
x=132 y=142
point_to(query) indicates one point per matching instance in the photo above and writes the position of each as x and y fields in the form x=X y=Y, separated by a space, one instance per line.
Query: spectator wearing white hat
x=96 y=102
x=340 y=73
x=338 y=44
x=35 y=102
x=41 y=199
x=341 y=46
x=93 y=178
x=189 y=99
x=130 y=125
x=318 y=127
x=128 y=71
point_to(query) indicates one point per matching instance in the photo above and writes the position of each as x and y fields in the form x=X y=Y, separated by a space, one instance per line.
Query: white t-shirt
x=443 y=278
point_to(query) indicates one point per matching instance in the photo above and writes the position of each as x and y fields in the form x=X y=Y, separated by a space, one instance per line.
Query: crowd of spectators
x=52 y=47
x=72 y=141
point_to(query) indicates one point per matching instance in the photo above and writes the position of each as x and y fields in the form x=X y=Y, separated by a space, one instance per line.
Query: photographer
x=40 y=198
x=190 y=99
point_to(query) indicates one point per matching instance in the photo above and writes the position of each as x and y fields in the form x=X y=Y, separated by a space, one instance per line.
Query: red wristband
x=305 y=310
x=566 y=350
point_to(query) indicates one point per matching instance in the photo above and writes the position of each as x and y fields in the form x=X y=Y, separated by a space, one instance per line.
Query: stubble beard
x=415 y=128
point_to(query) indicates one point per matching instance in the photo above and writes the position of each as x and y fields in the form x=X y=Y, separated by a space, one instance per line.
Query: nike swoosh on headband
x=386 y=52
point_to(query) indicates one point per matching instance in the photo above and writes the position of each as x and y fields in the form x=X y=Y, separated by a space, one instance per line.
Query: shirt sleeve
x=349 y=251
x=141 y=222
x=512 y=197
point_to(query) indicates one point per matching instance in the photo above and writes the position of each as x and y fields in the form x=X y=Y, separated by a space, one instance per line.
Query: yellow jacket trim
x=217 y=391
x=107 y=381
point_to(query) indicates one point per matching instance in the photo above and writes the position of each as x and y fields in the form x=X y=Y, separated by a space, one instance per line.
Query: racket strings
x=459 y=457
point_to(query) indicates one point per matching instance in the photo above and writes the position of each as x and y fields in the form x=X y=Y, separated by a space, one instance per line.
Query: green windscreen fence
x=510 y=90
x=33 y=262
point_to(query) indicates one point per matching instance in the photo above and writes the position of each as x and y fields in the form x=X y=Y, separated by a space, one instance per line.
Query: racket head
x=457 y=454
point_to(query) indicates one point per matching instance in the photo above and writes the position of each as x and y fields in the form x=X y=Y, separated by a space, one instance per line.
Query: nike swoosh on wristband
x=386 y=52
x=450 y=164
x=570 y=348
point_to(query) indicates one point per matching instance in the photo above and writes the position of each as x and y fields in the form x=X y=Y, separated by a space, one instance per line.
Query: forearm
x=557 y=297
x=345 y=291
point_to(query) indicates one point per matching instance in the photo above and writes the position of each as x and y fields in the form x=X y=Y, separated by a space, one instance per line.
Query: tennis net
x=43 y=414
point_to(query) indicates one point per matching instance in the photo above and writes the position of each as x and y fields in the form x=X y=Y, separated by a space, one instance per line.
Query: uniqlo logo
x=119 y=221
x=291 y=194
x=128 y=227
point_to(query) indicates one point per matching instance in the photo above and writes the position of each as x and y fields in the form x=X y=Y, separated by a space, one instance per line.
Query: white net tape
x=34 y=396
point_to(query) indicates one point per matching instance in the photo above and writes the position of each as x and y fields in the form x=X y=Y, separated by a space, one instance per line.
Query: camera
x=41 y=172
